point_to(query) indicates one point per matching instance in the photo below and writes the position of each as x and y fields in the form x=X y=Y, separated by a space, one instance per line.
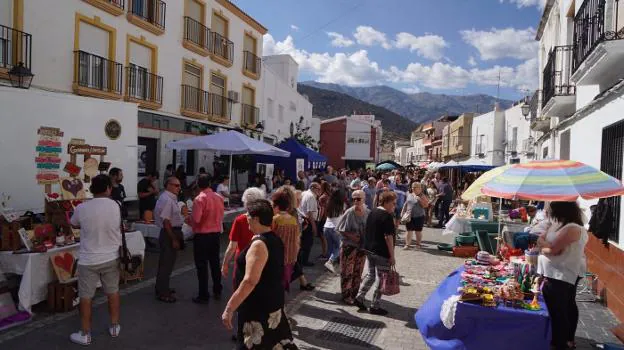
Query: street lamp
x=20 y=76
x=526 y=110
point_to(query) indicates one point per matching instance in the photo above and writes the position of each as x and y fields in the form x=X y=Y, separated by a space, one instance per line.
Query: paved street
x=317 y=317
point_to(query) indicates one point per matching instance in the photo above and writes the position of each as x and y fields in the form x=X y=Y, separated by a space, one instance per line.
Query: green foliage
x=302 y=135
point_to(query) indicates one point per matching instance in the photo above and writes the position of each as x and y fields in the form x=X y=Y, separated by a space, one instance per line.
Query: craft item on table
x=527 y=284
x=536 y=290
x=48 y=244
x=489 y=300
x=523 y=214
x=91 y=167
x=60 y=239
x=447 y=312
x=470 y=293
x=25 y=239
x=76 y=234
x=63 y=264
x=486 y=258
x=531 y=256
x=72 y=188
x=510 y=294
x=53 y=196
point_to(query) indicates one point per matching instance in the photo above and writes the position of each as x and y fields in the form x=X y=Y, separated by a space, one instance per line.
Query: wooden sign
x=48 y=161
x=48 y=131
x=45 y=177
x=72 y=188
x=72 y=169
x=74 y=149
x=63 y=264
x=104 y=166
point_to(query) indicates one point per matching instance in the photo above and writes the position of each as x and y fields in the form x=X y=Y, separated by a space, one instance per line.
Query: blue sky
x=442 y=46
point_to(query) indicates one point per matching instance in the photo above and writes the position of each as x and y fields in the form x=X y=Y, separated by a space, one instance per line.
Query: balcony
x=598 y=44
x=512 y=146
x=114 y=7
x=196 y=37
x=559 y=93
x=148 y=14
x=96 y=76
x=200 y=104
x=427 y=141
x=426 y=127
x=535 y=105
x=252 y=65
x=528 y=147
x=250 y=116
x=15 y=47
x=222 y=49
x=143 y=87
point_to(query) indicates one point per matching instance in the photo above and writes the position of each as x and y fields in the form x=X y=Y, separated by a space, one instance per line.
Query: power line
x=340 y=16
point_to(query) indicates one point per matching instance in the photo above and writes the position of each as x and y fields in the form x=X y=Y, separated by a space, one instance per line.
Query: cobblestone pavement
x=148 y=324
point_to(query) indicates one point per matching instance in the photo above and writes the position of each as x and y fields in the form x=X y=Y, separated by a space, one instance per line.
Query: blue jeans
x=333 y=243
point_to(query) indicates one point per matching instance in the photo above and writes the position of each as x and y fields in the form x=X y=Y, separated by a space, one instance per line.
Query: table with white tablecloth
x=36 y=268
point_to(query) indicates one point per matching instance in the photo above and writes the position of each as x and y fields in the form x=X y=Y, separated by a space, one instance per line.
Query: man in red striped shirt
x=207 y=223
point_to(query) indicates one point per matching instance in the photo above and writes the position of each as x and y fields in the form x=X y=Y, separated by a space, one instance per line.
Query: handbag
x=390 y=282
x=129 y=263
x=407 y=214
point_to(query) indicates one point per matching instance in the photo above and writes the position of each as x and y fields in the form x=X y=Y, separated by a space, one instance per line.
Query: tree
x=301 y=135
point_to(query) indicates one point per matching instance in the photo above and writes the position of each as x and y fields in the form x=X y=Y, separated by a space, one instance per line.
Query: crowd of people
x=354 y=215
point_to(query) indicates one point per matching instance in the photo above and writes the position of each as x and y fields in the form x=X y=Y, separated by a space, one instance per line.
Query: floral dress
x=262 y=323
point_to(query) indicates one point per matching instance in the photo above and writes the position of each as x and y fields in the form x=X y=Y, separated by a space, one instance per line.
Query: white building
x=352 y=141
x=582 y=91
x=188 y=64
x=401 y=152
x=282 y=106
x=520 y=138
x=488 y=137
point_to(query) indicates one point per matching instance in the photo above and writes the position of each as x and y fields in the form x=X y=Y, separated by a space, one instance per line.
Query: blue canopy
x=311 y=159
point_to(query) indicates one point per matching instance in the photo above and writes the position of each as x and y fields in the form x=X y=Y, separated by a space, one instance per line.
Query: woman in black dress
x=259 y=295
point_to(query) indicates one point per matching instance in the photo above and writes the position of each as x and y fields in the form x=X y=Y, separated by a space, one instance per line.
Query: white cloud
x=527 y=3
x=369 y=36
x=500 y=43
x=411 y=89
x=339 y=40
x=357 y=69
x=294 y=27
x=429 y=46
x=472 y=61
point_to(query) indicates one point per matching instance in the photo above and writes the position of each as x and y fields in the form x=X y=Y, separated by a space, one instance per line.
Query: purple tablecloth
x=478 y=327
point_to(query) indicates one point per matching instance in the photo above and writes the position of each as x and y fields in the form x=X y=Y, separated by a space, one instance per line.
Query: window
x=270 y=108
x=217 y=84
x=545 y=153
x=195 y=10
x=280 y=115
x=217 y=95
x=611 y=158
x=192 y=75
x=219 y=25
x=564 y=150
x=514 y=139
x=249 y=44
x=248 y=106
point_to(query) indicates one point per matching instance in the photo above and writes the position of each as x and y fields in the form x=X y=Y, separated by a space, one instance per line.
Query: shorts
x=319 y=228
x=90 y=275
x=416 y=224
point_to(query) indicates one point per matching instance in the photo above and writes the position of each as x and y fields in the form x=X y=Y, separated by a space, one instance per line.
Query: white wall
x=52 y=29
x=357 y=130
x=24 y=111
x=277 y=88
x=586 y=136
x=483 y=133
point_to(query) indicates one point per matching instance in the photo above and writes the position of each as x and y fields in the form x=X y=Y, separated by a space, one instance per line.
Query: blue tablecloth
x=478 y=327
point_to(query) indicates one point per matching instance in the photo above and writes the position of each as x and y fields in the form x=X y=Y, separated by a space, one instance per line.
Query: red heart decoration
x=66 y=262
x=53 y=195
x=44 y=230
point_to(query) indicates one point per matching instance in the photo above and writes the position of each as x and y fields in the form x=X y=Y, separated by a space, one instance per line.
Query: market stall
x=301 y=158
x=37 y=271
x=494 y=301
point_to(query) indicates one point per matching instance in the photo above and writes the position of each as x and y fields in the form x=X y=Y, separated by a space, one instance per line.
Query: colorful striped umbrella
x=474 y=190
x=553 y=180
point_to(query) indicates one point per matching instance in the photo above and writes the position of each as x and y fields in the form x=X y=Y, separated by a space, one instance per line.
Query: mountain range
x=328 y=104
x=419 y=107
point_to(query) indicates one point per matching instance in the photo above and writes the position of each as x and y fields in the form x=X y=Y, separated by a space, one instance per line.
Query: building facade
x=488 y=137
x=283 y=108
x=189 y=65
x=400 y=152
x=581 y=92
x=456 y=138
x=351 y=141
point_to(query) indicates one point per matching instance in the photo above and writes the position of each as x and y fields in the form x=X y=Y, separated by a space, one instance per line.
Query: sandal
x=169 y=299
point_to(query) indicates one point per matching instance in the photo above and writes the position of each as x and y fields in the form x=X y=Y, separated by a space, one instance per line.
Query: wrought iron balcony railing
x=251 y=114
x=222 y=47
x=196 y=33
x=252 y=63
x=96 y=72
x=15 y=47
x=143 y=85
x=152 y=11
x=535 y=104
x=590 y=29
x=557 y=73
x=204 y=102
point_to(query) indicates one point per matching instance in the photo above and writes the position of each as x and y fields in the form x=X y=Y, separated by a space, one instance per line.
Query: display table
x=479 y=327
x=457 y=225
x=36 y=268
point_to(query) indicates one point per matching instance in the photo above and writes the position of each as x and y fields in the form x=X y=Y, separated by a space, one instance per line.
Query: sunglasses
x=357 y=199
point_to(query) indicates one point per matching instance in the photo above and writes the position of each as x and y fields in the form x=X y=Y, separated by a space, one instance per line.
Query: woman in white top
x=561 y=262
x=223 y=188
x=334 y=210
x=416 y=204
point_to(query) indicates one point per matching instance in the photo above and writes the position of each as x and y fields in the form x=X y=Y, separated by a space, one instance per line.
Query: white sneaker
x=80 y=338
x=330 y=266
x=114 y=330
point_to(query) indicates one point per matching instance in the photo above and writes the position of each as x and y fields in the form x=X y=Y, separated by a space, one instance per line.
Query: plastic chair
x=484 y=239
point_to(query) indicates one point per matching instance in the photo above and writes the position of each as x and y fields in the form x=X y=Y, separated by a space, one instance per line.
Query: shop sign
x=358 y=140
x=73 y=149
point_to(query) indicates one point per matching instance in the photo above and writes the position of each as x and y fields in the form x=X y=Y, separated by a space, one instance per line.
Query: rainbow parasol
x=552 y=180
x=474 y=190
